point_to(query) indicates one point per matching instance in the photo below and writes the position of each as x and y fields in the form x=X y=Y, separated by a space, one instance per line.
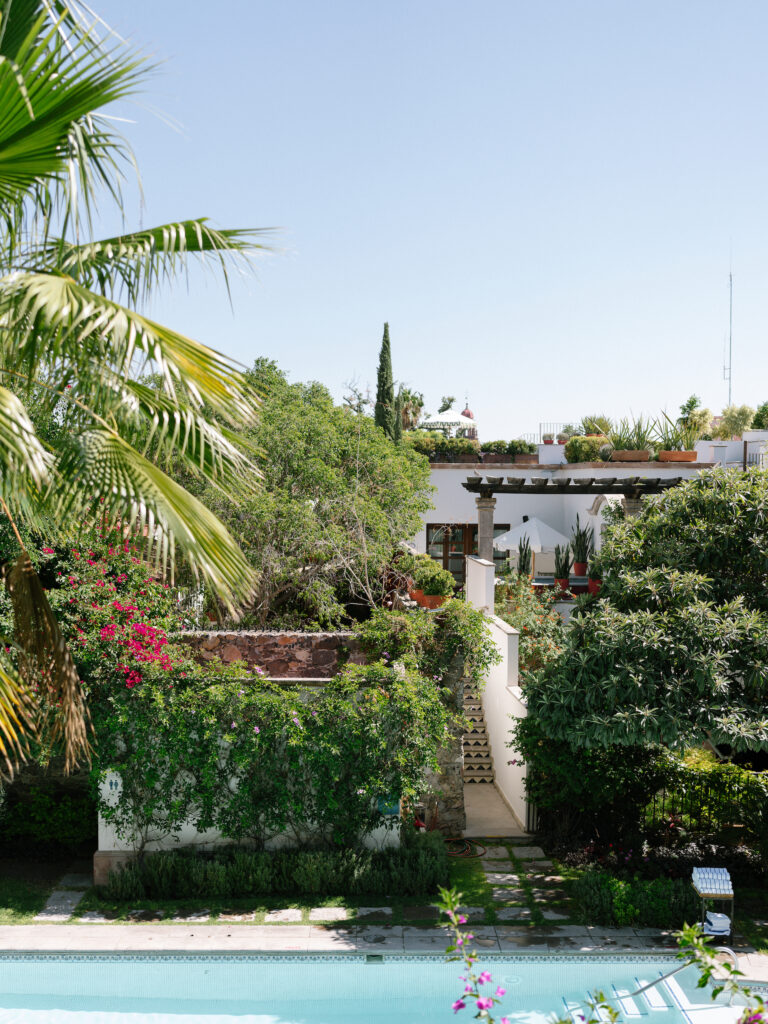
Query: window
x=450 y=543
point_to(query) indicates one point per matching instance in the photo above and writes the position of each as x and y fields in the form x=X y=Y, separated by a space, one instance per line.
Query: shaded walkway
x=487 y=814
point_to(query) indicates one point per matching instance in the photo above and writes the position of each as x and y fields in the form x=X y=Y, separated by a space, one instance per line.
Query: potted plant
x=595 y=580
x=582 y=543
x=523 y=452
x=562 y=438
x=548 y=438
x=435 y=583
x=632 y=440
x=524 y=559
x=581 y=448
x=676 y=440
x=562 y=565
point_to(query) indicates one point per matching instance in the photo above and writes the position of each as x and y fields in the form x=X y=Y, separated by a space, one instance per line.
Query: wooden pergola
x=632 y=490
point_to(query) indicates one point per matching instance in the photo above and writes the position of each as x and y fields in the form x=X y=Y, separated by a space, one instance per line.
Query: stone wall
x=282 y=655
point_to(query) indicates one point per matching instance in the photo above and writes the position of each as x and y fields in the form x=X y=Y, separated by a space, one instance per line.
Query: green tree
x=760 y=422
x=676 y=649
x=72 y=344
x=735 y=419
x=337 y=497
x=384 y=411
x=445 y=403
x=412 y=406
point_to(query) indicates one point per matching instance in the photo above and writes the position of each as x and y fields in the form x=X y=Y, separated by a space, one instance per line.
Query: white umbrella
x=448 y=420
x=540 y=536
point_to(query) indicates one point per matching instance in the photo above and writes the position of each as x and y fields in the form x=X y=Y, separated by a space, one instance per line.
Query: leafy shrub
x=45 y=816
x=520 y=447
x=415 y=868
x=585 y=449
x=495 y=447
x=448 y=448
x=456 y=636
x=640 y=903
x=429 y=576
x=587 y=791
x=254 y=761
x=532 y=614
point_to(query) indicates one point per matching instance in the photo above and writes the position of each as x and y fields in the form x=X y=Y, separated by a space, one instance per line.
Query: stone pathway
x=506 y=937
x=62 y=902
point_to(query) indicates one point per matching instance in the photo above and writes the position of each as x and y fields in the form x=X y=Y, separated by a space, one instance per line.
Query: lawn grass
x=24 y=889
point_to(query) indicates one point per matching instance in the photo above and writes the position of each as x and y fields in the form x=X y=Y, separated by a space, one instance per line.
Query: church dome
x=468 y=413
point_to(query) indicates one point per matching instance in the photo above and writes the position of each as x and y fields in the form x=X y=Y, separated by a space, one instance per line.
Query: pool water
x=221 y=989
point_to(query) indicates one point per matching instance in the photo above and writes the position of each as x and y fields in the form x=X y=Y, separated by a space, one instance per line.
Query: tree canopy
x=337 y=497
x=675 y=651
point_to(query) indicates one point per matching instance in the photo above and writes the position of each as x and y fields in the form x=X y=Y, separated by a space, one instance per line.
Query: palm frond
x=51 y=318
x=172 y=431
x=103 y=474
x=45 y=89
x=46 y=664
x=24 y=463
x=15 y=716
x=128 y=267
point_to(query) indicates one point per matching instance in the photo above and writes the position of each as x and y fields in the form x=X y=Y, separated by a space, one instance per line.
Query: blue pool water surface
x=126 y=989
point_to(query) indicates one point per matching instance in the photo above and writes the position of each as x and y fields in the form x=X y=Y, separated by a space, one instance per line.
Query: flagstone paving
x=292 y=914
x=328 y=914
x=528 y=852
x=60 y=905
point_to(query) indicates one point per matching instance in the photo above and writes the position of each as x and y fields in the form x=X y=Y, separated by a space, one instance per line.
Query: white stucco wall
x=501 y=697
x=453 y=504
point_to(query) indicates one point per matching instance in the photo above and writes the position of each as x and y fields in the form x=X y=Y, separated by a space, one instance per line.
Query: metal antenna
x=728 y=367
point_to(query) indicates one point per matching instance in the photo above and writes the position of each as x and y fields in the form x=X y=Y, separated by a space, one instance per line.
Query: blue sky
x=541 y=198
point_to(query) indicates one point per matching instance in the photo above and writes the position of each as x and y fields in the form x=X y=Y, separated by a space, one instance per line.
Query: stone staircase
x=478 y=765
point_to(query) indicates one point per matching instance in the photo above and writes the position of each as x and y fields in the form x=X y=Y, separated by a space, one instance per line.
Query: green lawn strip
x=564 y=906
x=468 y=876
x=21 y=899
x=262 y=905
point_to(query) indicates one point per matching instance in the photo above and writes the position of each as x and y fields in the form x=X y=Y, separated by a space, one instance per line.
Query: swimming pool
x=331 y=989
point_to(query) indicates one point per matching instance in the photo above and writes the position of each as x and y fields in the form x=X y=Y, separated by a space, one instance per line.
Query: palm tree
x=73 y=341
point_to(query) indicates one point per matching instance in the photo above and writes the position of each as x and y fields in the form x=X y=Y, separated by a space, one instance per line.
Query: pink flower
x=500 y=992
x=458 y=1005
x=504 y=1020
x=48 y=551
x=485 y=1004
x=232 y=726
x=485 y=976
x=461 y=919
x=256 y=729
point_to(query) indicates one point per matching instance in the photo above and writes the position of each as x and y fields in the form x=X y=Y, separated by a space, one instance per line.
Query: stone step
x=487 y=777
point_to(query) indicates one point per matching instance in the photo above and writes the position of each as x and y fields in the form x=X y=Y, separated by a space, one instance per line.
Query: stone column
x=632 y=506
x=485 y=507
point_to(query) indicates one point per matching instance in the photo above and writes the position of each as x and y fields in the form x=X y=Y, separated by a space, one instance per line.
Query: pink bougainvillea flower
x=485 y=976
x=256 y=729
x=484 y=1004
x=461 y=919
x=48 y=551
x=458 y=1005
x=504 y=1020
x=500 y=992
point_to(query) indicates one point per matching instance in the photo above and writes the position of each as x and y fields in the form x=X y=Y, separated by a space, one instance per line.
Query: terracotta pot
x=526 y=459
x=550 y=441
x=678 y=456
x=579 y=588
x=415 y=595
x=630 y=455
x=593 y=586
x=432 y=600
x=562 y=583
x=579 y=568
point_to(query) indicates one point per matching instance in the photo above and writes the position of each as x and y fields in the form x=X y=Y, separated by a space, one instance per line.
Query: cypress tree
x=384 y=413
x=397 y=436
